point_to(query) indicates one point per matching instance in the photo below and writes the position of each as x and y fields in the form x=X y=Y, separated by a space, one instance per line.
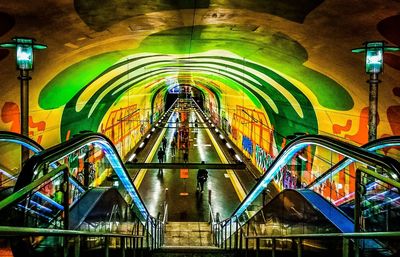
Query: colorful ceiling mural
x=288 y=61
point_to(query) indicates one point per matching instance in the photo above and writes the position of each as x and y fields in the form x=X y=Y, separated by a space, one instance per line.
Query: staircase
x=189 y=239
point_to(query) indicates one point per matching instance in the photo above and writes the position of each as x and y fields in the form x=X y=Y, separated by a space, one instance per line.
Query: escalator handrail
x=7 y=136
x=299 y=143
x=370 y=146
x=50 y=155
x=24 y=191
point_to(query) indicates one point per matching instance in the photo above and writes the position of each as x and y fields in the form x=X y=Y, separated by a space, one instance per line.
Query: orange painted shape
x=10 y=114
x=184 y=173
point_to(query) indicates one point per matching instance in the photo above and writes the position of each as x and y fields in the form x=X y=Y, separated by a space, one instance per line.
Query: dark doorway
x=198 y=97
x=170 y=99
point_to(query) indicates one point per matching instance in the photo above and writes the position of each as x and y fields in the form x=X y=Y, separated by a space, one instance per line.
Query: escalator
x=331 y=213
x=12 y=142
x=381 y=145
x=80 y=184
x=306 y=212
x=324 y=150
x=83 y=208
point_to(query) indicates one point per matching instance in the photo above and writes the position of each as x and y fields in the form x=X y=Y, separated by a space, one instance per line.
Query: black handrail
x=393 y=140
x=8 y=136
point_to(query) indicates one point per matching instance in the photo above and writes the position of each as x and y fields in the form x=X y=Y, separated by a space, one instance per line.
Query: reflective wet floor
x=185 y=202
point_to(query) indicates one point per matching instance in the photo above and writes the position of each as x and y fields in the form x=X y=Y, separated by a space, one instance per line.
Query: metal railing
x=349 y=242
x=78 y=243
x=246 y=238
x=228 y=227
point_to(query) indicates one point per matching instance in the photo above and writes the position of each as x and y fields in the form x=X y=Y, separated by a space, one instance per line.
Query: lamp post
x=24 y=63
x=374 y=66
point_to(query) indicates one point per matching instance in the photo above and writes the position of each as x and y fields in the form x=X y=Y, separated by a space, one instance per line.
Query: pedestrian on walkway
x=160 y=155
x=164 y=143
x=185 y=155
x=202 y=175
x=173 y=148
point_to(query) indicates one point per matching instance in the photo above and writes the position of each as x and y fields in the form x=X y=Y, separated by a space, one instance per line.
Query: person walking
x=202 y=175
x=173 y=148
x=164 y=143
x=185 y=155
x=160 y=155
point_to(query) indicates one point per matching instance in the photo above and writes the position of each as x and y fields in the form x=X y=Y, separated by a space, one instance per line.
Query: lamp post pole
x=24 y=62
x=373 y=106
x=24 y=103
x=374 y=66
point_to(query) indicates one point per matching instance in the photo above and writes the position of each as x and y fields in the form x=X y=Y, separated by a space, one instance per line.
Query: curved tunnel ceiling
x=288 y=59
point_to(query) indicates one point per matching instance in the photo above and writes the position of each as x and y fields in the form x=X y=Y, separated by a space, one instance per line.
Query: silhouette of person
x=185 y=156
x=164 y=143
x=173 y=148
x=202 y=175
x=160 y=155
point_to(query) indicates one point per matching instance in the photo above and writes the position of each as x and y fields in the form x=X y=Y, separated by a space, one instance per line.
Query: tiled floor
x=188 y=234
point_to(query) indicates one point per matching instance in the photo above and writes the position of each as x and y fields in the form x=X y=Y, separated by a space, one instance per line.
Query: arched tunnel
x=262 y=72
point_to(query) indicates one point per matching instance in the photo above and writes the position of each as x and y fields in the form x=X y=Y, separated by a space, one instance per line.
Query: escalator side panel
x=84 y=206
x=340 y=220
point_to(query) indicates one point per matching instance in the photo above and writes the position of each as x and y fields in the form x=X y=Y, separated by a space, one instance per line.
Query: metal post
x=373 y=106
x=147 y=232
x=122 y=246
x=241 y=239
x=64 y=241
x=345 y=247
x=24 y=115
x=77 y=246
x=257 y=246
x=65 y=190
x=357 y=211
x=273 y=254
x=225 y=232
x=230 y=234
x=357 y=206
x=247 y=245
x=299 y=245
x=236 y=235
x=106 y=246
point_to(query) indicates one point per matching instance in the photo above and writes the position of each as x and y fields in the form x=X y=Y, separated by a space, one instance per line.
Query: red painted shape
x=337 y=129
x=361 y=137
x=10 y=114
x=36 y=129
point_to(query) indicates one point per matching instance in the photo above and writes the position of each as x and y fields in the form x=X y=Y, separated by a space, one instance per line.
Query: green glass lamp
x=24 y=51
x=374 y=55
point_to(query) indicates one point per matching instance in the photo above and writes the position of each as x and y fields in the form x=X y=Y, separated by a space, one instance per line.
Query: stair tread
x=189 y=247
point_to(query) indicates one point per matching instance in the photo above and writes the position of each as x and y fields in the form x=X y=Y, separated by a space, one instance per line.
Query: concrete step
x=191 y=251
x=188 y=234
